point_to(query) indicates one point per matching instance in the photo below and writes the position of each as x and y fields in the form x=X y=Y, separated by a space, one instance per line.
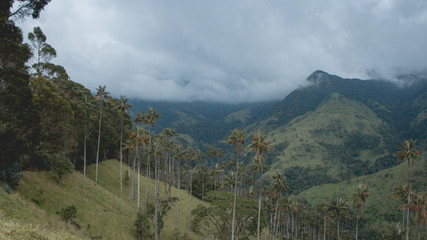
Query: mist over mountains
x=332 y=129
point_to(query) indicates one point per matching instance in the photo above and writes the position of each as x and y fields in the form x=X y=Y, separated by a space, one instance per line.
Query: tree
x=418 y=206
x=100 y=95
x=408 y=152
x=193 y=155
x=359 y=198
x=280 y=188
x=260 y=147
x=339 y=210
x=44 y=52
x=237 y=137
x=149 y=119
x=122 y=106
x=26 y=8
x=139 y=119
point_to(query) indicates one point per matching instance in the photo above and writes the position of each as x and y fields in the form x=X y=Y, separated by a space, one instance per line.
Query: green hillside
x=381 y=207
x=33 y=207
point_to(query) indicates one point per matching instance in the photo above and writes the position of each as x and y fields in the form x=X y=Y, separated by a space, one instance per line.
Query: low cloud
x=231 y=51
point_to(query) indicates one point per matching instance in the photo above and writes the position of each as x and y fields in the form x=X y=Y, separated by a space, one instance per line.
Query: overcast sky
x=230 y=50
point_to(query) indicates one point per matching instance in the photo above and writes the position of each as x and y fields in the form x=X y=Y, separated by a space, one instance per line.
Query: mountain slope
x=335 y=129
x=380 y=205
x=98 y=207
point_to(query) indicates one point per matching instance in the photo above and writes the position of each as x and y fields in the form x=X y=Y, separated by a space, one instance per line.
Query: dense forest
x=49 y=123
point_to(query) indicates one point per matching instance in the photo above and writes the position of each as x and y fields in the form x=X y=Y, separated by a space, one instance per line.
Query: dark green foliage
x=300 y=178
x=62 y=166
x=11 y=175
x=68 y=213
x=7 y=188
x=218 y=214
x=143 y=223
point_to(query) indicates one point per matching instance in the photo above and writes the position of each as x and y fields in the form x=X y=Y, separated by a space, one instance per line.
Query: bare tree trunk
x=84 y=151
x=259 y=203
x=156 y=195
x=177 y=201
x=121 y=163
x=234 y=200
x=189 y=209
x=409 y=202
x=99 y=141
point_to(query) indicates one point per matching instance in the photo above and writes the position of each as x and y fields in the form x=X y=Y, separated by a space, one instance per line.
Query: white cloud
x=243 y=50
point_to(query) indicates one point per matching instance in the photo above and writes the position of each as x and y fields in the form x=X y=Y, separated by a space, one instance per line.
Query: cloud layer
x=231 y=51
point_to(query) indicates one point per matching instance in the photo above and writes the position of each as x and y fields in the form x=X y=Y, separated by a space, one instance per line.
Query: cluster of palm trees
x=281 y=216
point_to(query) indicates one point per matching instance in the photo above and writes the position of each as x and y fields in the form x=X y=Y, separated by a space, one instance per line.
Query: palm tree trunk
x=189 y=209
x=234 y=200
x=99 y=141
x=84 y=151
x=409 y=202
x=177 y=201
x=146 y=181
x=338 y=229
x=259 y=203
x=139 y=185
x=156 y=196
x=121 y=163
x=148 y=169
x=203 y=199
x=324 y=227
x=357 y=226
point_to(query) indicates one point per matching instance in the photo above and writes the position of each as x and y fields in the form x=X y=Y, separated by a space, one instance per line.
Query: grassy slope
x=332 y=120
x=22 y=219
x=381 y=205
x=98 y=206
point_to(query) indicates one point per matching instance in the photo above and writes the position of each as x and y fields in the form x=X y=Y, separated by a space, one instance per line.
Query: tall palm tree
x=418 y=206
x=179 y=155
x=401 y=193
x=101 y=94
x=279 y=186
x=122 y=106
x=339 y=210
x=323 y=206
x=408 y=152
x=141 y=133
x=149 y=119
x=193 y=155
x=237 y=137
x=359 y=198
x=260 y=147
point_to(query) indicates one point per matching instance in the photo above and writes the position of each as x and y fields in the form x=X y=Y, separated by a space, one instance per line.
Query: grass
x=381 y=207
x=34 y=205
x=333 y=119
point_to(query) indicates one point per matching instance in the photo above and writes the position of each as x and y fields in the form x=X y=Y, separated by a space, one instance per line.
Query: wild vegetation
x=56 y=139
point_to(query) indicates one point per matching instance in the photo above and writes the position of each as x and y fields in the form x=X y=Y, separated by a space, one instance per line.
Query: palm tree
x=122 y=106
x=401 y=193
x=139 y=119
x=193 y=155
x=260 y=147
x=359 y=198
x=279 y=186
x=323 y=206
x=86 y=105
x=338 y=209
x=149 y=119
x=418 y=206
x=407 y=152
x=100 y=95
x=237 y=137
x=179 y=155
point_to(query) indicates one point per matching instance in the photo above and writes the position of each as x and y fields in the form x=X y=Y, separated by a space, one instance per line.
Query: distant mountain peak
x=318 y=76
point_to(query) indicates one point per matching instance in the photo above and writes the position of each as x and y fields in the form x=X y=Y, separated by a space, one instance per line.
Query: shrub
x=68 y=213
